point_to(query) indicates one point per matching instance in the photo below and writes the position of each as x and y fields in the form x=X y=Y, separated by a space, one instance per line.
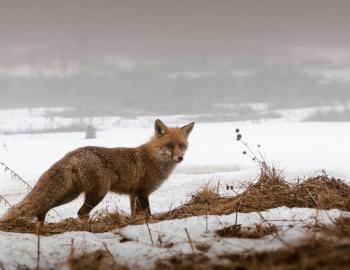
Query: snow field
x=299 y=149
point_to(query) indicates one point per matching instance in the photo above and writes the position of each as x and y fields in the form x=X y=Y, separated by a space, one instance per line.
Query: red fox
x=96 y=170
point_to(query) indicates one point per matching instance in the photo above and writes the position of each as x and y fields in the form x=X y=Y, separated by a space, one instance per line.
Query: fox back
x=96 y=170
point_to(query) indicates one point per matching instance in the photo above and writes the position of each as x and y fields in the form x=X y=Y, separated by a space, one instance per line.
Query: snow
x=21 y=249
x=299 y=149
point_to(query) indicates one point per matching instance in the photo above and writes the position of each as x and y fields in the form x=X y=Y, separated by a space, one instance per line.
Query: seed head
x=244 y=152
x=259 y=145
x=237 y=130
x=239 y=136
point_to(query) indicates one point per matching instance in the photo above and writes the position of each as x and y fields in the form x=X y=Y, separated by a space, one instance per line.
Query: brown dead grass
x=203 y=247
x=206 y=194
x=343 y=226
x=98 y=260
x=237 y=231
x=339 y=228
x=100 y=223
x=270 y=191
x=312 y=254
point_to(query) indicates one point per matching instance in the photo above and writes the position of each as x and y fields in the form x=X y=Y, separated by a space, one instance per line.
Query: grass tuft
x=206 y=194
x=98 y=260
x=237 y=231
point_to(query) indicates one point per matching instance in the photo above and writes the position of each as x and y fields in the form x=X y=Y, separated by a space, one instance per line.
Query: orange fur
x=96 y=170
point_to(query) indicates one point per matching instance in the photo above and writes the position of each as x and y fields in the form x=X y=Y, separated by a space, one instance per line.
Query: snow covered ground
x=21 y=249
x=299 y=149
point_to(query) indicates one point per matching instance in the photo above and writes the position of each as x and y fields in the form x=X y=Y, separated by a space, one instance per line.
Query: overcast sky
x=239 y=47
x=187 y=31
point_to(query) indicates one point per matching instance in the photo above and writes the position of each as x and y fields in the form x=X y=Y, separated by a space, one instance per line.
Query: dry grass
x=98 y=260
x=270 y=191
x=339 y=228
x=343 y=226
x=100 y=223
x=206 y=194
x=203 y=247
x=237 y=231
x=311 y=254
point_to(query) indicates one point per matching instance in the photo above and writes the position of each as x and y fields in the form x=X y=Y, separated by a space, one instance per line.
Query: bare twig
x=38 y=227
x=206 y=219
x=189 y=240
x=318 y=206
x=275 y=232
x=15 y=175
x=237 y=209
x=219 y=221
x=324 y=173
x=160 y=239
x=313 y=198
x=2 y=198
x=111 y=255
x=72 y=249
x=150 y=234
x=171 y=206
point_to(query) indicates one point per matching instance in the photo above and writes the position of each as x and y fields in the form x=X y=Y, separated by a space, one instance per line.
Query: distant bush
x=90 y=132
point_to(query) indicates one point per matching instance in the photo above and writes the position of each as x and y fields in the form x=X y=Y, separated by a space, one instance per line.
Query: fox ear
x=188 y=128
x=160 y=128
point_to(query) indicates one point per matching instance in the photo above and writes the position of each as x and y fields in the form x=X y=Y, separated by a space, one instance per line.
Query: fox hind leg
x=66 y=198
x=93 y=197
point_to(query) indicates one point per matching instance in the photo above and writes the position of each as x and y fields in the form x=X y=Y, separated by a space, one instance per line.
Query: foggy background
x=173 y=57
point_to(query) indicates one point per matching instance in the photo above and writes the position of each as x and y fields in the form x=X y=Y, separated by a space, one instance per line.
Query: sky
x=193 y=39
x=163 y=30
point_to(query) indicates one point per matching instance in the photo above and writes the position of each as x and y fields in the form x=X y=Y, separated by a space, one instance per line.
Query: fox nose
x=180 y=159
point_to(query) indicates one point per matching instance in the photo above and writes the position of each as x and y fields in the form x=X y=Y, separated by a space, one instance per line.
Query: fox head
x=170 y=144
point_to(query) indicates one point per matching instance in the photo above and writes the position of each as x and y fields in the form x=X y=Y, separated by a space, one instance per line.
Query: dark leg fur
x=93 y=197
x=65 y=199
x=133 y=205
x=68 y=198
x=139 y=204
x=41 y=217
x=144 y=204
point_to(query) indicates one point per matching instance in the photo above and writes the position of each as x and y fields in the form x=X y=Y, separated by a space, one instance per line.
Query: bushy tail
x=20 y=212
x=45 y=195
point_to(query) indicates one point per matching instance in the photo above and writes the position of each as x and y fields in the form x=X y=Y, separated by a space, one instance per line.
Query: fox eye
x=182 y=145
x=169 y=145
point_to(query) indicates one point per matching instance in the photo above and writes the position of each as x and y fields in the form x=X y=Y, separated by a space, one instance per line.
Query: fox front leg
x=139 y=203
x=144 y=202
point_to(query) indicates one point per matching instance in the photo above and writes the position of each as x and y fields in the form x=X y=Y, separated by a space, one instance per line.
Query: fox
x=95 y=171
